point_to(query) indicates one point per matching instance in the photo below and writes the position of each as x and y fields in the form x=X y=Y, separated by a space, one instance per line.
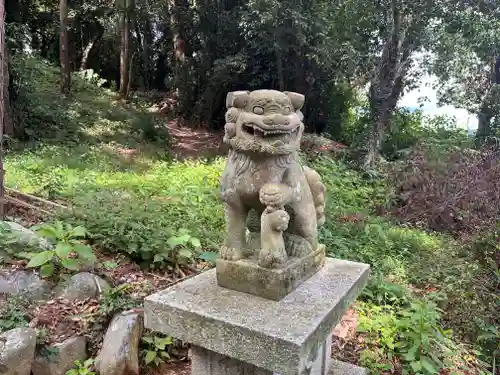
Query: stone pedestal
x=247 y=276
x=235 y=333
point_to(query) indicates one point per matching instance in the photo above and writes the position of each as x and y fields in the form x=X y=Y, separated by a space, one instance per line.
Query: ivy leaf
x=416 y=366
x=79 y=231
x=40 y=259
x=70 y=264
x=46 y=231
x=150 y=357
x=178 y=240
x=89 y=362
x=161 y=343
x=47 y=270
x=428 y=365
x=148 y=339
x=63 y=249
x=84 y=251
x=59 y=229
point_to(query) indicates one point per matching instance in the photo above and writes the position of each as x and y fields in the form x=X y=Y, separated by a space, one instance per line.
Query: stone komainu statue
x=273 y=205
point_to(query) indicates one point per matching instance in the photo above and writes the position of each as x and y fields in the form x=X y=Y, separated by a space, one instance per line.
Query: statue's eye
x=258 y=110
x=287 y=110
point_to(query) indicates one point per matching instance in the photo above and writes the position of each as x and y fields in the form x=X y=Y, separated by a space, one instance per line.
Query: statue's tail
x=318 y=192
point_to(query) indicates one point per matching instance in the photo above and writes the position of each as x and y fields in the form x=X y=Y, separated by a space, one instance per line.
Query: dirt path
x=192 y=143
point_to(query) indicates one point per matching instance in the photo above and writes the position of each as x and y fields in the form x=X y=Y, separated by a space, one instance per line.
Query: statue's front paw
x=271 y=195
x=230 y=253
x=275 y=258
x=278 y=220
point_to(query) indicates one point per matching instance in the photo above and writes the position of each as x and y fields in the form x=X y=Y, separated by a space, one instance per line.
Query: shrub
x=140 y=215
x=456 y=191
x=406 y=129
x=68 y=253
x=13 y=314
x=409 y=337
x=409 y=128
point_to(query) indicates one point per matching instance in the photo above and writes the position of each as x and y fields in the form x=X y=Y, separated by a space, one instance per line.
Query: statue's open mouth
x=273 y=132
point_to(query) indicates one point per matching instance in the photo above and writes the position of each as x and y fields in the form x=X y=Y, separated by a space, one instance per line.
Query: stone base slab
x=342 y=368
x=248 y=277
x=206 y=362
x=284 y=337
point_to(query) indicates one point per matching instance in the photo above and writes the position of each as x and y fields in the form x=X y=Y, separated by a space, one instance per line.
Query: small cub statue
x=273 y=205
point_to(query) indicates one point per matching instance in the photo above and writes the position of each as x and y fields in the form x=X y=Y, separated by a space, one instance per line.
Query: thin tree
x=125 y=26
x=63 y=48
x=2 y=66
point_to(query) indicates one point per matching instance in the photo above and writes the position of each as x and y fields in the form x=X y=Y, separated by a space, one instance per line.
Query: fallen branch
x=27 y=205
x=17 y=192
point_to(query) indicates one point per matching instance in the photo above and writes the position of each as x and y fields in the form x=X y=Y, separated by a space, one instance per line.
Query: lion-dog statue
x=272 y=204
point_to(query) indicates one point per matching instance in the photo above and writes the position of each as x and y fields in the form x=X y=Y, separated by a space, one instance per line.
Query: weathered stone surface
x=264 y=187
x=206 y=362
x=82 y=285
x=17 y=349
x=342 y=368
x=27 y=237
x=26 y=284
x=65 y=355
x=120 y=350
x=281 y=336
x=247 y=276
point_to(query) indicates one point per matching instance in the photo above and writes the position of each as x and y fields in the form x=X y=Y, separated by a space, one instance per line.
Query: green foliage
x=182 y=249
x=91 y=77
x=489 y=345
x=9 y=243
x=139 y=213
x=385 y=293
x=411 y=334
x=408 y=128
x=13 y=314
x=43 y=347
x=90 y=113
x=115 y=300
x=137 y=204
x=82 y=368
x=156 y=349
x=68 y=253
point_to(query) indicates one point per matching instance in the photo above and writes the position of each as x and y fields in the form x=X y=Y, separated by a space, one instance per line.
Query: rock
x=25 y=284
x=27 y=237
x=120 y=350
x=17 y=349
x=82 y=285
x=65 y=355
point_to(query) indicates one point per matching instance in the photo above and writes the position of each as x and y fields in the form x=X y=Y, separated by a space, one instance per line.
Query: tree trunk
x=63 y=48
x=89 y=49
x=386 y=86
x=2 y=112
x=124 y=52
x=8 y=117
x=184 y=106
x=485 y=130
x=130 y=72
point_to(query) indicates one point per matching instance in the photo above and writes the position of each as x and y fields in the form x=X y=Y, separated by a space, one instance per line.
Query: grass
x=109 y=161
